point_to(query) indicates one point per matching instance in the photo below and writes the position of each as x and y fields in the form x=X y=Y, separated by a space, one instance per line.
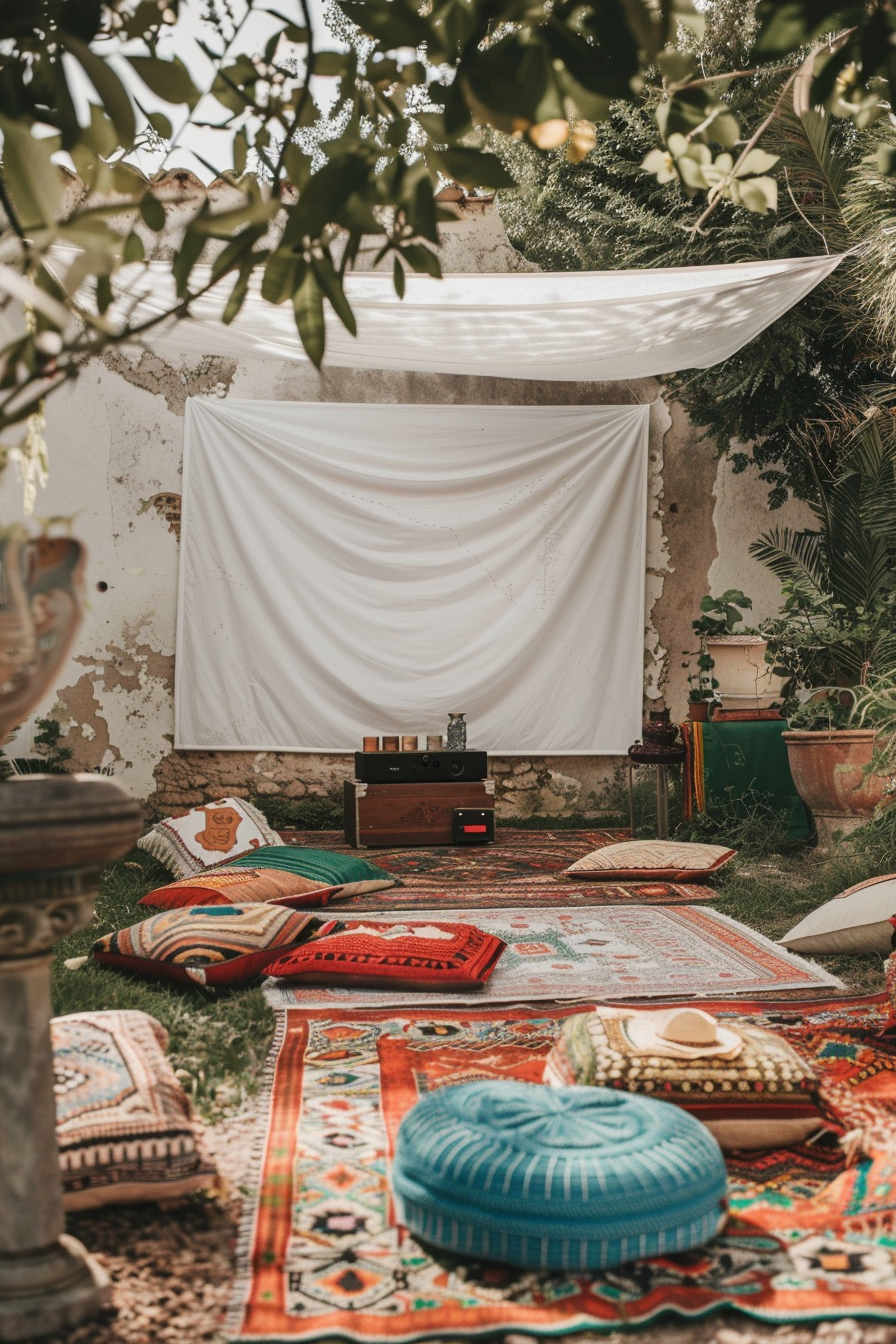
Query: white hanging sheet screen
x=363 y=569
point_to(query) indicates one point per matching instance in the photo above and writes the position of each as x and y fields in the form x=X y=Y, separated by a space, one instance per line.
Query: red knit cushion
x=410 y=956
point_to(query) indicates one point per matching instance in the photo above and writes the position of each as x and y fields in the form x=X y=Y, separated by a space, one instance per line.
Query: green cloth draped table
x=732 y=762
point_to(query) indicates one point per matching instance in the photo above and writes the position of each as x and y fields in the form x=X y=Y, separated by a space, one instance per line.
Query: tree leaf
x=112 y=92
x=161 y=124
x=472 y=168
x=133 y=248
x=331 y=285
x=152 y=213
x=422 y=260
x=281 y=276
x=757 y=161
x=759 y=194
x=308 y=303
x=398 y=277
x=169 y=80
x=240 y=151
x=236 y=297
x=32 y=179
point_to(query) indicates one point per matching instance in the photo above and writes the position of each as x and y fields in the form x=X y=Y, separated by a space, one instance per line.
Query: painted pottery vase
x=41 y=604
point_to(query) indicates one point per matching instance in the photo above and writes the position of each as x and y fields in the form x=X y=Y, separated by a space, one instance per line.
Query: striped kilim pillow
x=246 y=886
x=570 y=1179
x=339 y=874
x=210 y=945
x=124 y=1125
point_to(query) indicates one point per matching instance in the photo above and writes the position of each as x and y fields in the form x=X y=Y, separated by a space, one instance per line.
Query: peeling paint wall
x=116 y=442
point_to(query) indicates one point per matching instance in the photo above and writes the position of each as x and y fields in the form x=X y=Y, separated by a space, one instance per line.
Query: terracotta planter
x=828 y=770
x=698 y=713
x=746 y=680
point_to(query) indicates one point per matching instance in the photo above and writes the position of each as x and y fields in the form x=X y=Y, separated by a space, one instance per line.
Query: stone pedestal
x=55 y=832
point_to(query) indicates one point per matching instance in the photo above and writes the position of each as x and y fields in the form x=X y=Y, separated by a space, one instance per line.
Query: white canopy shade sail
x=561 y=326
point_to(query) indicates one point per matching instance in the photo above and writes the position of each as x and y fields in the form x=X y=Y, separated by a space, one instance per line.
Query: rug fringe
x=242 y=1281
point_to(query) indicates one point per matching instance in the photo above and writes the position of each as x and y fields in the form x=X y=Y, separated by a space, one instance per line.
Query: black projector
x=419 y=767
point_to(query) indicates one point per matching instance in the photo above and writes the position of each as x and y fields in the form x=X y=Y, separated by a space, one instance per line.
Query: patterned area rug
x=619 y=951
x=523 y=868
x=809 y=1238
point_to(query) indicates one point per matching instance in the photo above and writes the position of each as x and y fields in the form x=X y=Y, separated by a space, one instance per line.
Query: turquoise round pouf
x=556 y=1178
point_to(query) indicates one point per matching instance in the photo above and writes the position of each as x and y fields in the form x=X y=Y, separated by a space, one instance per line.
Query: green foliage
x=218 y=1040
x=838 y=622
x=607 y=213
x=301 y=814
x=750 y=824
x=56 y=758
x=721 y=614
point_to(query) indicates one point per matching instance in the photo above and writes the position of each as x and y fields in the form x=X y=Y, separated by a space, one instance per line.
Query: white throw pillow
x=858 y=920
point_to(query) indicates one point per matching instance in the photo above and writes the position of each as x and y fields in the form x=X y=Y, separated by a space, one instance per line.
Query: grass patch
x=219 y=1039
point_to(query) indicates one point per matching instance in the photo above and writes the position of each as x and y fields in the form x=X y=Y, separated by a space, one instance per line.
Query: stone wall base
x=553 y=786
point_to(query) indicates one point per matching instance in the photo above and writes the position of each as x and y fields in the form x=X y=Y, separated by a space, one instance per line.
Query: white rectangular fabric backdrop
x=365 y=569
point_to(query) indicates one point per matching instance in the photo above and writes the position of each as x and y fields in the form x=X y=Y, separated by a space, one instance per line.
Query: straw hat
x=681 y=1033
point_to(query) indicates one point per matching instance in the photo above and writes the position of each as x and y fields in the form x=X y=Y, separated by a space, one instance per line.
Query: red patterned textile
x=412 y=956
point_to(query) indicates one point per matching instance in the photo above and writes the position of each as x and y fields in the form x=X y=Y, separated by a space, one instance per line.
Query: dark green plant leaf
x=152 y=213
x=331 y=284
x=115 y=98
x=473 y=168
x=170 y=80
x=308 y=303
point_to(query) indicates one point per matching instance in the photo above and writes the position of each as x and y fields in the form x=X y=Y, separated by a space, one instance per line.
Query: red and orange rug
x=521 y=868
x=809 y=1237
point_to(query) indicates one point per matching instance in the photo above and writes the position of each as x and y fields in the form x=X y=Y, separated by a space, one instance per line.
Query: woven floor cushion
x=243 y=886
x=209 y=835
x=219 y=945
x=124 y=1124
x=407 y=956
x=666 y=860
x=338 y=874
x=746 y=1084
x=542 y=1178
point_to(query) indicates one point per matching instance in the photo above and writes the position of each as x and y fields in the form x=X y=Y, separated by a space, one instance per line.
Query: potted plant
x=736 y=657
x=701 y=684
x=835 y=639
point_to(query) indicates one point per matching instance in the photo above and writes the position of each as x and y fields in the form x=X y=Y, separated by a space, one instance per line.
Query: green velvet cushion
x=346 y=871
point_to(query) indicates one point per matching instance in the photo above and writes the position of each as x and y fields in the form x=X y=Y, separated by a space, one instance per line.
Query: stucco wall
x=115 y=445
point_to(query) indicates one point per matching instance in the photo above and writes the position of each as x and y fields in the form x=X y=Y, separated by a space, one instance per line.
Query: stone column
x=55 y=832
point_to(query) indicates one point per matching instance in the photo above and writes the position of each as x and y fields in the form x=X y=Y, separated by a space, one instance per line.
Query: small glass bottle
x=457 y=732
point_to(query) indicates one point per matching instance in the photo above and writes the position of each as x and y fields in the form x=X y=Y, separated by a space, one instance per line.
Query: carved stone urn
x=55 y=833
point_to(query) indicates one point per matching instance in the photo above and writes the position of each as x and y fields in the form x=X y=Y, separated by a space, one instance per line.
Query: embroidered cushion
x=747 y=1085
x=410 y=956
x=208 y=945
x=338 y=874
x=858 y=920
x=123 y=1122
x=243 y=886
x=208 y=835
x=572 y=1179
x=669 y=860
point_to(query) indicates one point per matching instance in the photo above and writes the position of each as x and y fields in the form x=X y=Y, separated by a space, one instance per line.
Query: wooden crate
x=409 y=814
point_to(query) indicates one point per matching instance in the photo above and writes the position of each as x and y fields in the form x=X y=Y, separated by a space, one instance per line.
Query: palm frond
x=869 y=209
x=794 y=557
